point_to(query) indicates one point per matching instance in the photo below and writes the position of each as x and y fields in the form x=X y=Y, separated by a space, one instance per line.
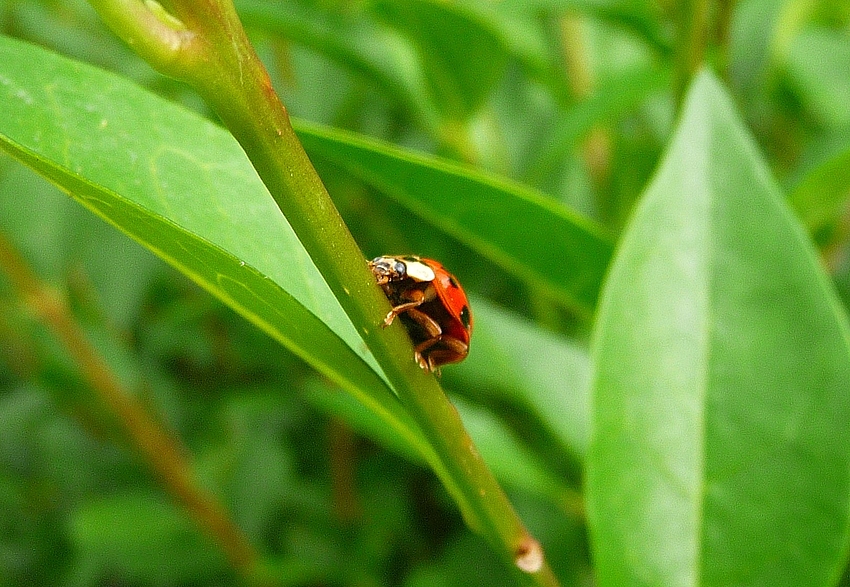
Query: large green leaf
x=181 y=186
x=721 y=410
x=527 y=234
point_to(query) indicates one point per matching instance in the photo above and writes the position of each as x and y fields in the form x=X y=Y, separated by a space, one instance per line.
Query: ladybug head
x=387 y=269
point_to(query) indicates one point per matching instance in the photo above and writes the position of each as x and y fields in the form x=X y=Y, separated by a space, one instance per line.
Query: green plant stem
x=216 y=58
x=162 y=451
x=690 y=46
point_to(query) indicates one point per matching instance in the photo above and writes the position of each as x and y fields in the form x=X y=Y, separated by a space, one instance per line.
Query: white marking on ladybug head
x=419 y=271
x=387 y=269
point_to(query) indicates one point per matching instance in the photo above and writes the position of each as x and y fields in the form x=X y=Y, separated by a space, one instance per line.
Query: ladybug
x=430 y=303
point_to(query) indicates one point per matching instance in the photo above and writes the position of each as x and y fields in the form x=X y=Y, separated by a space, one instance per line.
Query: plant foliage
x=646 y=204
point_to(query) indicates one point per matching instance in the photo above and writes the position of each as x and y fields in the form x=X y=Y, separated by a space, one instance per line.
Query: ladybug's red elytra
x=431 y=304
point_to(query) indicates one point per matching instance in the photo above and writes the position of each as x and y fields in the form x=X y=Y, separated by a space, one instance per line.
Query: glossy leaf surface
x=721 y=412
x=181 y=186
x=567 y=260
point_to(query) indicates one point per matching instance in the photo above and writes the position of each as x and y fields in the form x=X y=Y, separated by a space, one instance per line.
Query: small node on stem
x=529 y=555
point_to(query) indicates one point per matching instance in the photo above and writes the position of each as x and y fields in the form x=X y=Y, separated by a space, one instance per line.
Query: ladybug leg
x=425 y=361
x=452 y=351
x=425 y=321
x=434 y=332
x=417 y=297
x=405 y=307
x=455 y=346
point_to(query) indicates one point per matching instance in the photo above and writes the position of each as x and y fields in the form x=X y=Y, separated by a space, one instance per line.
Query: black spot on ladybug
x=453 y=281
x=464 y=316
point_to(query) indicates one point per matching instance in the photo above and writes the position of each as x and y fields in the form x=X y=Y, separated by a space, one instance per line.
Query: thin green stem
x=160 y=450
x=222 y=66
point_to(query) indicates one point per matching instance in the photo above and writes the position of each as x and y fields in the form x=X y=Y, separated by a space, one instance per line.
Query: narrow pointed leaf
x=721 y=412
x=527 y=234
x=182 y=187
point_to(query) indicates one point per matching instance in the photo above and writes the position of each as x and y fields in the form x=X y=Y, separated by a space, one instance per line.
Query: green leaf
x=819 y=66
x=820 y=197
x=523 y=35
x=501 y=220
x=607 y=105
x=461 y=56
x=750 y=54
x=544 y=373
x=181 y=186
x=636 y=15
x=720 y=416
x=537 y=371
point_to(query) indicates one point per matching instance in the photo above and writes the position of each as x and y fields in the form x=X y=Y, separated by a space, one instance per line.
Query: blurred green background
x=574 y=98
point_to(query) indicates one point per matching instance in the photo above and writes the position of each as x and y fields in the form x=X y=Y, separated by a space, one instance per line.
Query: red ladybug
x=431 y=304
